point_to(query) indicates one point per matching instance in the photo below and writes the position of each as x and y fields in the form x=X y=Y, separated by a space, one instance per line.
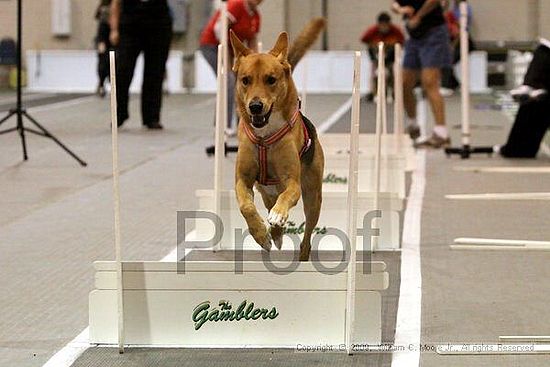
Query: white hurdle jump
x=371 y=187
x=396 y=146
x=213 y=303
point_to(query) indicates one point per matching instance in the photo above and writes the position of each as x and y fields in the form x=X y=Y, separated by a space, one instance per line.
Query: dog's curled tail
x=305 y=40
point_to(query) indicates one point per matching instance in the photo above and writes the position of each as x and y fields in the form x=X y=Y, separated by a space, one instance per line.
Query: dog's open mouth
x=260 y=120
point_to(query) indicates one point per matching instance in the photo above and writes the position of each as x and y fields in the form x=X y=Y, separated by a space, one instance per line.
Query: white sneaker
x=538 y=94
x=230 y=132
x=521 y=93
x=446 y=92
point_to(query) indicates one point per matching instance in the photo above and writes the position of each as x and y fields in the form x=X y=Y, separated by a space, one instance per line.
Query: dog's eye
x=246 y=80
x=271 y=80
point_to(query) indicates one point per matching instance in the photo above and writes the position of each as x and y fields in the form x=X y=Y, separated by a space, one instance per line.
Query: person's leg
x=431 y=81
x=410 y=78
x=127 y=53
x=157 y=46
x=411 y=69
x=435 y=55
x=103 y=47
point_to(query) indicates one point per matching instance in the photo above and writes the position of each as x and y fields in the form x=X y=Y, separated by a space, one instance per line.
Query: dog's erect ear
x=239 y=49
x=280 y=50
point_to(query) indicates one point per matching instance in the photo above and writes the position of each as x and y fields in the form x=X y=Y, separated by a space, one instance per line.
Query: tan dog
x=278 y=148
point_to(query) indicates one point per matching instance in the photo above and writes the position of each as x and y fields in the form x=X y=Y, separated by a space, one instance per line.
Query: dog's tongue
x=258 y=119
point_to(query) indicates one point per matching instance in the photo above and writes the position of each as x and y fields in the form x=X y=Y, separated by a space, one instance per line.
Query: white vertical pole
x=219 y=140
x=116 y=202
x=225 y=44
x=378 y=140
x=384 y=100
x=352 y=202
x=260 y=47
x=304 y=84
x=465 y=73
x=398 y=114
x=221 y=113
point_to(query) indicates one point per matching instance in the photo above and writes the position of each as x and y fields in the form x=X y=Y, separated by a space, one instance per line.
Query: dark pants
x=533 y=118
x=103 y=54
x=153 y=39
x=538 y=74
x=532 y=122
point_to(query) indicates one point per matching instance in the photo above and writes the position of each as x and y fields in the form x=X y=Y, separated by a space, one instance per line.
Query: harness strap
x=264 y=143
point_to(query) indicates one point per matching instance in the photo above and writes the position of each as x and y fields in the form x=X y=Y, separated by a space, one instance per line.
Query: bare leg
x=410 y=78
x=431 y=81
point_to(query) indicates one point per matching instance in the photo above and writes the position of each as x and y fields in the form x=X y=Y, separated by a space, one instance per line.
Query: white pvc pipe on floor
x=353 y=185
x=116 y=204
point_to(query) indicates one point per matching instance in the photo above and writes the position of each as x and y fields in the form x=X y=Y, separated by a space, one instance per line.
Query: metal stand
x=20 y=112
x=466 y=150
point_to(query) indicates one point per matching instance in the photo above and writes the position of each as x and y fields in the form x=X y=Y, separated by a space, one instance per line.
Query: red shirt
x=453 y=25
x=373 y=36
x=242 y=20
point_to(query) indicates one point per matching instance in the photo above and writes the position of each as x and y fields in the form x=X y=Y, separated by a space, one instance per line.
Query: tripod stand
x=20 y=112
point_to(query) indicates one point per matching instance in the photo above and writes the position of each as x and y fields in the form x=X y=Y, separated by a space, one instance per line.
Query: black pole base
x=211 y=150
x=466 y=151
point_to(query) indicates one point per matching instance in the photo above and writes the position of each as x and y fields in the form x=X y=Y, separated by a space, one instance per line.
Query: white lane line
x=335 y=117
x=66 y=356
x=408 y=325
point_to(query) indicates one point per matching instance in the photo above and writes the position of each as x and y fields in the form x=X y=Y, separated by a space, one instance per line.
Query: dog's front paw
x=262 y=236
x=277 y=216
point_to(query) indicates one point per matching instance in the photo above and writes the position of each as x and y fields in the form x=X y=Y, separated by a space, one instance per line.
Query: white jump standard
x=216 y=302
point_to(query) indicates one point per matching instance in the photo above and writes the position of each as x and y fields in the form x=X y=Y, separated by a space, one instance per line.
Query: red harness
x=263 y=145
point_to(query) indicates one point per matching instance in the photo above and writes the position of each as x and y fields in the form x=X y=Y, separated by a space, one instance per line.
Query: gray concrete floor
x=56 y=219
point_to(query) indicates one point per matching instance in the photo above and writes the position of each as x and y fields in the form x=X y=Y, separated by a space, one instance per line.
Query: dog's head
x=263 y=80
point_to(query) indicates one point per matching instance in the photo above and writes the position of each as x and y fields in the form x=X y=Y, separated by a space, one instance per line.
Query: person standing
x=382 y=31
x=141 y=26
x=103 y=45
x=426 y=53
x=244 y=20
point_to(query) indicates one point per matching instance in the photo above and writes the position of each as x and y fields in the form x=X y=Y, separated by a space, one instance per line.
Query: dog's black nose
x=256 y=107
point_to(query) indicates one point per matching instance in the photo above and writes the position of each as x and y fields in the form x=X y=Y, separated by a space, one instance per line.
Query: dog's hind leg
x=269 y=197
